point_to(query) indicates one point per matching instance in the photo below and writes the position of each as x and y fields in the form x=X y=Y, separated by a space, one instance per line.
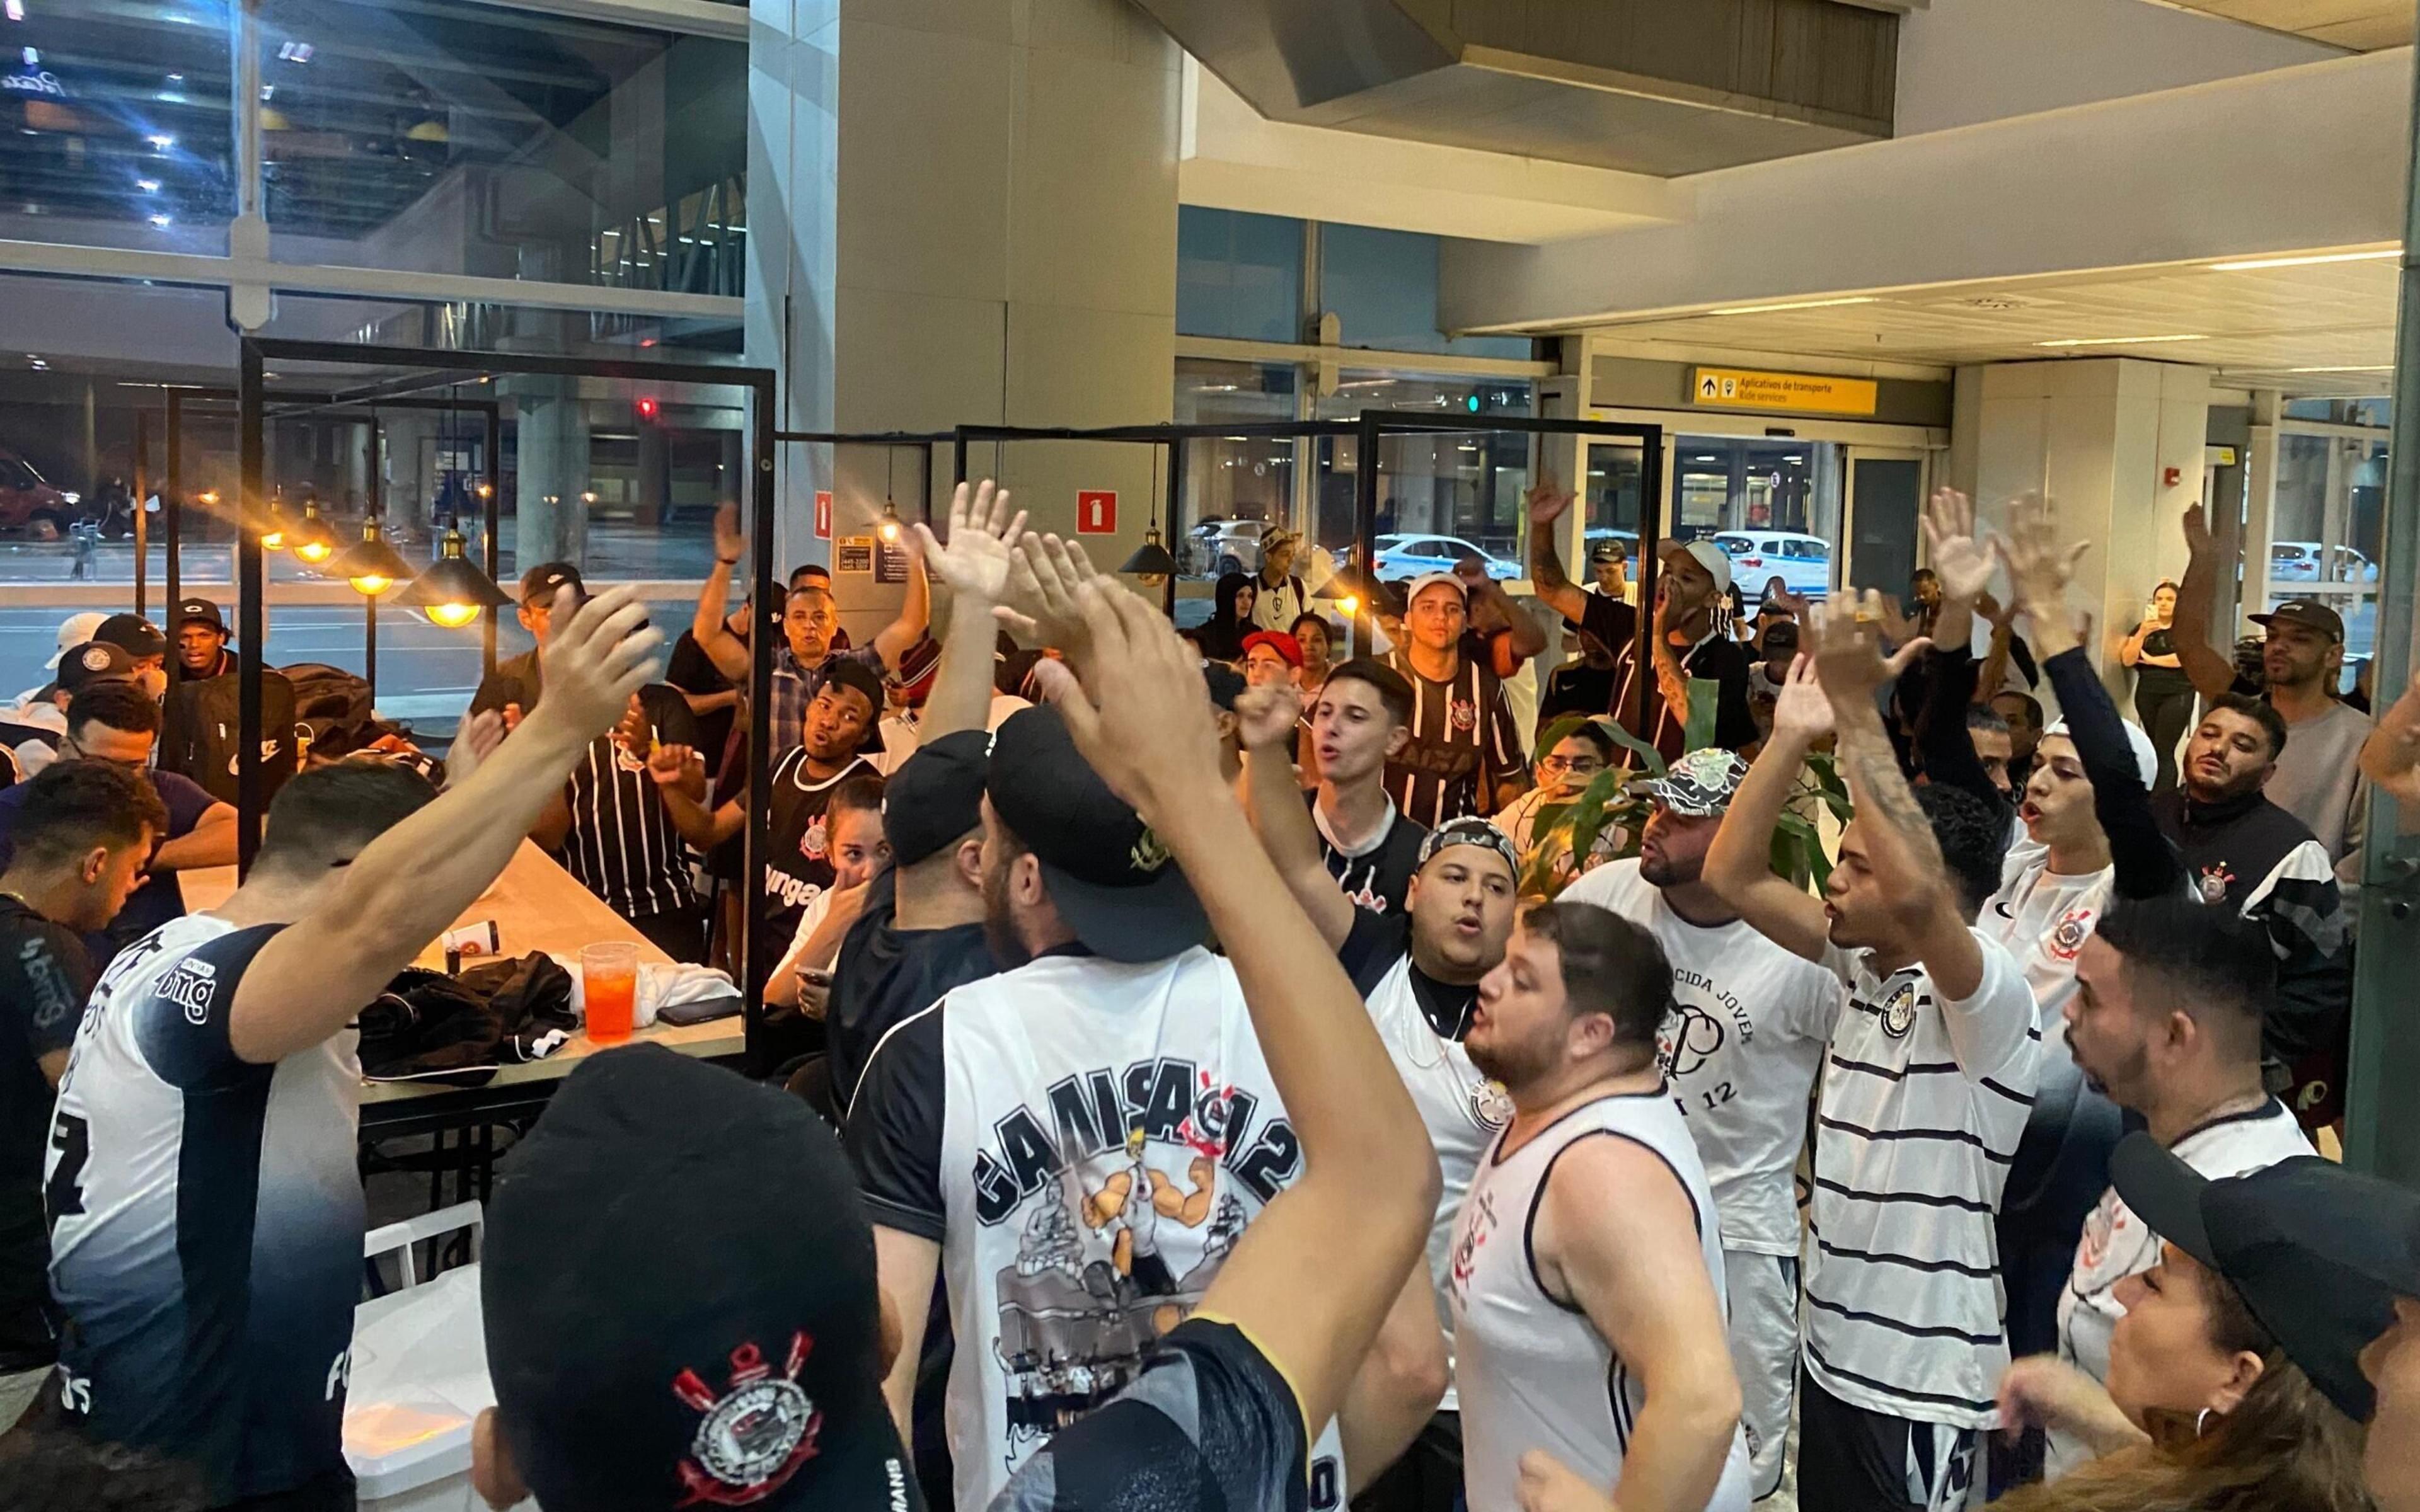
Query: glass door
x=1885 y=499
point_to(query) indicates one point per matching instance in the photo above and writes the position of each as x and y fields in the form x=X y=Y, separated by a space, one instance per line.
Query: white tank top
x=1532 y=1372
x=1462 y=1110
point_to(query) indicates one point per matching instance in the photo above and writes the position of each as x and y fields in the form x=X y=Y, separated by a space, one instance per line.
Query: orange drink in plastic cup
x=608 y=983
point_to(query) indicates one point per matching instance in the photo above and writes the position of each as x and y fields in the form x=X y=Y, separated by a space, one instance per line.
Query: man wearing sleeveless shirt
x=1742 y=1046
x=1587 y=1270
x=1934 y=1052
x=206 y=1211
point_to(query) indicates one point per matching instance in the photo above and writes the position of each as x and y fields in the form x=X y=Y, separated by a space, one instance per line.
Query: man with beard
x=2318 y=777
x=1419 y=968
x=1933 y=1055
x=2165 y=1021
x=2243 y=852
x=991 y=1129
x=1587 y=1272
x=1741 y=1049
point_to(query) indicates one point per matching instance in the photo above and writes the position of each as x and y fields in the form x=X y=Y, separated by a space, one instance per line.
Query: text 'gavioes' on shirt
x=1921 y=1106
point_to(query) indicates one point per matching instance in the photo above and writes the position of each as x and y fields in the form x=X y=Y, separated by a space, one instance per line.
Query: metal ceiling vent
x=1655 y=86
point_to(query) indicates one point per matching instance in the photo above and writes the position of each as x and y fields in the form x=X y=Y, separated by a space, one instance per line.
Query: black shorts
x=1210 y=1425
x=1851 y=1460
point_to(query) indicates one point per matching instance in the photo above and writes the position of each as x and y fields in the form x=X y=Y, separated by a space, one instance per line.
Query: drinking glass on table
x=609 y=984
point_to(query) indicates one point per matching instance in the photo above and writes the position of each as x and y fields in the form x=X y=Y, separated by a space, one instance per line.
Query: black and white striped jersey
x=1922 y=1103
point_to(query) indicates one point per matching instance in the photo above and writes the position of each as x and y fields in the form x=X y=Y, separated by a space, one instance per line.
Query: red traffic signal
x=647 y=410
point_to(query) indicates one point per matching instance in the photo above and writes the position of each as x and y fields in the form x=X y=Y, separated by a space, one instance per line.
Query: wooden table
x=536 y=905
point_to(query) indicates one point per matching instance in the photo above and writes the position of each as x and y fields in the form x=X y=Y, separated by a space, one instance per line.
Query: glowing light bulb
x=316 y=550
x=453 y=616
x=1350 y=603
x=371 y=584
x=273 y=540
x=888 y=531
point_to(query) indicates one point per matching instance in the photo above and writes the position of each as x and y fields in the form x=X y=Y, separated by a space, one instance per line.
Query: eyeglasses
x=1577 y=766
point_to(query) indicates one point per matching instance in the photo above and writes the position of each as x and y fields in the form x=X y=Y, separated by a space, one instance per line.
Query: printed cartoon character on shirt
x=1119 y=1245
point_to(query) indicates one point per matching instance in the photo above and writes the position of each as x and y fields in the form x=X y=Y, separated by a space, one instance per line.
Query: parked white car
x=2298 y=562
x=1802 y=562
x=1401 y=557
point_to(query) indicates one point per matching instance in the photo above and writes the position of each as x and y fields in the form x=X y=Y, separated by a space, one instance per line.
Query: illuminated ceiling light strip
x=2251 y=265
x=2117 y=341
x=1799 y=304
x=2384 y=367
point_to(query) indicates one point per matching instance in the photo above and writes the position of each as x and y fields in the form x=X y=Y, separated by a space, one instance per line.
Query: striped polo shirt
x=1921 y=1106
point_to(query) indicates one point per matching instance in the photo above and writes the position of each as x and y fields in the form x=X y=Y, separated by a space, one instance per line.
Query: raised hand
x=2391 y=757
x=676 y=766
x=601 y=651
x=1846 y=650
x=2199 y=543
x=1046 y=580
x=1800 y=710
x=1266 y=717
x=474 y=743
x=2040 y=568
x=1135 y=702
x=729 y=543
x=1547 y=502
x=1959 y=559
x=976 y=560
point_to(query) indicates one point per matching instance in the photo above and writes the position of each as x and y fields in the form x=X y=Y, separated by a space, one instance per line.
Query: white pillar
x=2117 y=445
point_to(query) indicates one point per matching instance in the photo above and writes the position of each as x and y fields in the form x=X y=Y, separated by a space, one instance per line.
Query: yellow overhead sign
x=1808 y=393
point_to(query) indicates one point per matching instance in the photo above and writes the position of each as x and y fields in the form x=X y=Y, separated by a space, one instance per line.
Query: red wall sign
x=1096 y=511
x=823 y=514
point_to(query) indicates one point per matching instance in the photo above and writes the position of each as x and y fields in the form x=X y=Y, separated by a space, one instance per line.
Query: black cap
x=2305 y=612
x=627 y=1377
x=1782 y=635
x=936 y=796
x=541 y=583
x=94 y=661
x=200 y=611
x=1110 y=876
x=1226 y=684
x=138 y=636
x=2319 y=1253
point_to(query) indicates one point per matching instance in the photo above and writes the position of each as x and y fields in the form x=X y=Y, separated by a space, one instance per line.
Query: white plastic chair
x=399 y=1239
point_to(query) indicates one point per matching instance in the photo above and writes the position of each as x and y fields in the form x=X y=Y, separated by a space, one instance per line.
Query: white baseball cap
x=1427 y=580
x=74 y=631
x=2147 y=761
x=1709 y=556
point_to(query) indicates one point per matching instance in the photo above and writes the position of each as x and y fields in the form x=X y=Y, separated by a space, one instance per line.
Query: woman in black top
x=2163 y=692
x=1231 y=618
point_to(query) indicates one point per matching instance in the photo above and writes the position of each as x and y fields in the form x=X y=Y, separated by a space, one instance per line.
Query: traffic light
x=647 y=410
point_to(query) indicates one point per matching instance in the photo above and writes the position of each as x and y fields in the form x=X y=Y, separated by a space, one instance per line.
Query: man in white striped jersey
x=1925 y=1084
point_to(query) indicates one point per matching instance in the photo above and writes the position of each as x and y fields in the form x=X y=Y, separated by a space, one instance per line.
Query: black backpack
x=198 y=733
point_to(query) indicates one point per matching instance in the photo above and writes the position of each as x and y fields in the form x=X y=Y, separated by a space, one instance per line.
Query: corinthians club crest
x=752 y=1439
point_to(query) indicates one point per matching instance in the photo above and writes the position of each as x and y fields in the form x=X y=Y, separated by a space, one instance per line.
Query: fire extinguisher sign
x=1096 y=511
x=823 y=514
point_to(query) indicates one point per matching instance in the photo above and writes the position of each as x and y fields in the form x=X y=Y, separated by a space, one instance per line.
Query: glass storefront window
x=1459 y=486
x=119 y=126
x=455 y=137
x=2326 y=530
x=1235 y=487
